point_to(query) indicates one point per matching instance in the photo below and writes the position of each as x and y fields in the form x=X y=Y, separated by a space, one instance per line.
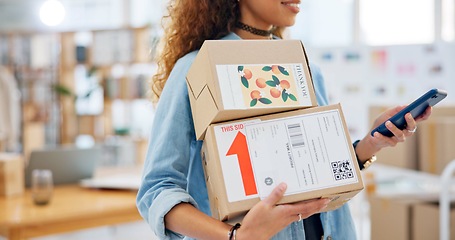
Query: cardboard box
x=391 y=218
x=436 y=144
x=34 y=137
x=11 y=174
x=443 y=111
x=141 y=145
x=406 y=219
x=237 y=79
x=426 y=221
x=309 y=149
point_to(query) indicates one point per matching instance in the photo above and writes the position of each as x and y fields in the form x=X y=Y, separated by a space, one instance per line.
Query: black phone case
x=416 y=108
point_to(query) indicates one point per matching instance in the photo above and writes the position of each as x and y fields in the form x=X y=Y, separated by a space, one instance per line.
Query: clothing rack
x=444 y=201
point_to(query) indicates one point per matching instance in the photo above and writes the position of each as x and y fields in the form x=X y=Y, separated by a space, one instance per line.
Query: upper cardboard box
x=232 y=79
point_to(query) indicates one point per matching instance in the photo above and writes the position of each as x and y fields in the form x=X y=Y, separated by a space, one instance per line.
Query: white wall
x=358 y=77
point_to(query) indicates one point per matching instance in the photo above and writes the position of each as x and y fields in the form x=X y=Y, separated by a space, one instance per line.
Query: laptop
x=68 y=164
x=120 y=181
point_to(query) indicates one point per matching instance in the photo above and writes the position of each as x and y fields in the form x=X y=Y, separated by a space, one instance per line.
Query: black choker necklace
x=253 y=30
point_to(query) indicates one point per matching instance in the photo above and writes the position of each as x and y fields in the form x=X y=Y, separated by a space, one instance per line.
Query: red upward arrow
x=239 y=147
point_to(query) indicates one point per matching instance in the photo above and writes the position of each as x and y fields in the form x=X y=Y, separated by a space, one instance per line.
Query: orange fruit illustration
x=285 y=84
x=275 y=92
x=255 y=94
x=275 y=69
x=260 y=82
x=248 y=73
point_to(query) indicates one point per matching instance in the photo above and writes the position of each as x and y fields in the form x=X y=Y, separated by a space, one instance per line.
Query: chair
x=444 y=201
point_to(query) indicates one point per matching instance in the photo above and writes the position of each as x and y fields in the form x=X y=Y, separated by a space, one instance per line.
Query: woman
x=173 y=196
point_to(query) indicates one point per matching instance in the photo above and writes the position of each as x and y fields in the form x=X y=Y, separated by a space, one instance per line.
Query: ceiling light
x=52 y=12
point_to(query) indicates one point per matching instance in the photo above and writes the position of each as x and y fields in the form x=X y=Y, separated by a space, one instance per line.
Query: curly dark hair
x=188 y=24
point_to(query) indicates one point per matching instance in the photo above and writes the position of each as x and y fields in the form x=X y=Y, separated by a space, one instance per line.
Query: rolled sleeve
x=162 y=204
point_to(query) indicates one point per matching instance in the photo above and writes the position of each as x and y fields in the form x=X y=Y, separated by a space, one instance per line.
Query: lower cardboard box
x=308 y=149
x=425 y=224
x=402 y=218
x=435 y=144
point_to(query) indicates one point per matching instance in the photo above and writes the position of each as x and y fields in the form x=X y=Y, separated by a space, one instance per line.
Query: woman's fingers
x=309 y=207
x=411 y=125
x=398 y=134
x=268 y=217
x=425 y=115
x=276 y=195
x=305 y=208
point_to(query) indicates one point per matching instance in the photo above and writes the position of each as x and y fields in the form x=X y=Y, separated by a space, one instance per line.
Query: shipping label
x=258 y=86
x=308 y=152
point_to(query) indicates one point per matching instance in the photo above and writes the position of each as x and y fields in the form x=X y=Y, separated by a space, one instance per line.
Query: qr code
x=342 y=170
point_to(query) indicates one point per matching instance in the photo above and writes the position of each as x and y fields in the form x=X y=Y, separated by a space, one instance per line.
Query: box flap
x=203 y=110
x=198 y=75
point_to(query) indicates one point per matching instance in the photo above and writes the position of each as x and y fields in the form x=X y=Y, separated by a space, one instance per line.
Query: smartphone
x=416 y=108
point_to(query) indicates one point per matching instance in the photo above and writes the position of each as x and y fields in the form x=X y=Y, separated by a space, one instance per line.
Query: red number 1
x=239 y=147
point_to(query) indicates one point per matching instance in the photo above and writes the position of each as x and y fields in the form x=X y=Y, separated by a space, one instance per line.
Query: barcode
x=296 y=135
x=342 y=170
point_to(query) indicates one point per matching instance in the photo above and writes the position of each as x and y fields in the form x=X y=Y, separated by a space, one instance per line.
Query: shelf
x=42 y=61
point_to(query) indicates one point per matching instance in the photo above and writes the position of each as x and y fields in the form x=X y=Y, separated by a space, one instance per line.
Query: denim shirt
x=173 y=170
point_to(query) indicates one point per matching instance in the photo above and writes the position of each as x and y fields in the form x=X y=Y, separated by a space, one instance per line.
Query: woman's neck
x=246 y=30
x=247 y=35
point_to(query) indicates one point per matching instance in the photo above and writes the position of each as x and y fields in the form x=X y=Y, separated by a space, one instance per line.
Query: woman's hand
x=267 y=218
x=370 y=145
x=398 y=135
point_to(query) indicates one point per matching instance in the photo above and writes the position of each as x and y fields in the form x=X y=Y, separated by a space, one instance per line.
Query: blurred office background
x=81 y=71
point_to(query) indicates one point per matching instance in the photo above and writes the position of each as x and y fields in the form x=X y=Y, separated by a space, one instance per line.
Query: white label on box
x=235 y=161
x=258 y=86
x=308 y=152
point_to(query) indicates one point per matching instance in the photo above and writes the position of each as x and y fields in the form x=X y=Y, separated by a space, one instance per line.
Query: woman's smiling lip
x=294 y=6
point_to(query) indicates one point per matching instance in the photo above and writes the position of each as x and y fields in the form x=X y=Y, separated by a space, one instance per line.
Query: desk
x=396 y=182
x=71 y=208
